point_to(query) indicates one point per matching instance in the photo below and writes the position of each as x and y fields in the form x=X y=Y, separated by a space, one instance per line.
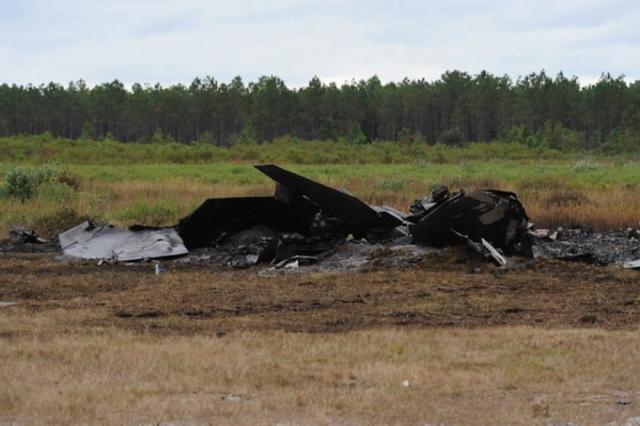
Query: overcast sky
x=174 y=41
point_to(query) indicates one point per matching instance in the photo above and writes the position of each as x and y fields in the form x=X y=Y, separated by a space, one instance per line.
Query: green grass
x=45 y=149
x=127 y=183
x=544 y=174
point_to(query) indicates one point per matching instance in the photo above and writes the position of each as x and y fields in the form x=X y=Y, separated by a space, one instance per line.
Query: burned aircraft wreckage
x=304 y=219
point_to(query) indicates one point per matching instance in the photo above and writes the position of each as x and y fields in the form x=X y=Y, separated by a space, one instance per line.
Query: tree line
x=456 y=108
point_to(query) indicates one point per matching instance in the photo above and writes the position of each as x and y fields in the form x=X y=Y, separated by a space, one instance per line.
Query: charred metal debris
x=305 y=221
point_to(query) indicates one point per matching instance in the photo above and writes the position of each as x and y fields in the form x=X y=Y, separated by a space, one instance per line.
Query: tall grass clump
x=151 y=214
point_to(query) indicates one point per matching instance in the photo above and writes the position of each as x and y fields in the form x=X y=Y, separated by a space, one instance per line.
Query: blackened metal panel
x=496 y=216
x=351 y=211
x=218 y=216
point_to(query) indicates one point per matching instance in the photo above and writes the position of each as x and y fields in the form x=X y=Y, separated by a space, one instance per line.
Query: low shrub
x=23 y=183
x=20 y=183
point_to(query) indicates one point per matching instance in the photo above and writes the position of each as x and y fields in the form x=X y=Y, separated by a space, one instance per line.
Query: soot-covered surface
x=589 y=246
x=575 y=245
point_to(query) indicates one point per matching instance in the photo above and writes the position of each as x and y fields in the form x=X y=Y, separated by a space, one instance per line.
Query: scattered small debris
x=295 y=262
x=22 y=235
x=634 y=264
x=499 y=258
x=543 y=234
x=406 y=384
x=483 y=248
x=159 y=269
x=232 y=398
x=6 y=304
x=587 y=246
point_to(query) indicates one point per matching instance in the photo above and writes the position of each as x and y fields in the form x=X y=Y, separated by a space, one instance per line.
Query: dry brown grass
x=119 y=345
x=81 y=346
x=514 y=375
x=564 y=206
x=600 y=208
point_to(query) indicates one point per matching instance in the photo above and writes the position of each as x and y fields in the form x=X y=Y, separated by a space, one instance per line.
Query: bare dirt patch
x=439 y=291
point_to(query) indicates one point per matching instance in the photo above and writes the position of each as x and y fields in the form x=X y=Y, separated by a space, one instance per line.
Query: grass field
x=543 y=343
x=599 y=194
x=156 y=184
x=44 y=148
x=473 y=377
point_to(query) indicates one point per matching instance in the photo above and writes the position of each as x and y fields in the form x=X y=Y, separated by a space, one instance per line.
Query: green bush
x=20 y=183
x=357 y=136
x=452 y=137
x=555 y=136
x=621 y=142
x=88 y=132
x=24 y=183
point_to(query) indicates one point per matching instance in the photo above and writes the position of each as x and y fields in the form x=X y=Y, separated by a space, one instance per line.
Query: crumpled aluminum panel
x=88 y=241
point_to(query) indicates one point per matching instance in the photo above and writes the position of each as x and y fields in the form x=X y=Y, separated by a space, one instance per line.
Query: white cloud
x=175 y=41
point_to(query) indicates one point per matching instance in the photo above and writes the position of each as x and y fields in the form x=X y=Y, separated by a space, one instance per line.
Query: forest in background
x=537 y=110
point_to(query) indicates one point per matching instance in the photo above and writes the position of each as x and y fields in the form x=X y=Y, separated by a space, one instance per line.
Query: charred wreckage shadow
x=304 y=219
